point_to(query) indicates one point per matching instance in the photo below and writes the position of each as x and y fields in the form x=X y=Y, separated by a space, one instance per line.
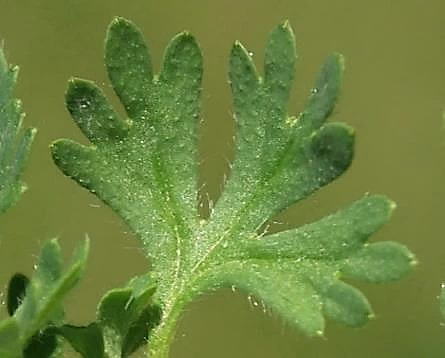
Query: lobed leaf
x=148 y=172
x=14 y=142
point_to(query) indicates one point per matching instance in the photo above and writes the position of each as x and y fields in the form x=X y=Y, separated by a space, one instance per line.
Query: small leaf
x=125 y=316
x=118 y=311
x=42 y=303
x=48 y=286
x=14 y=142
x=41 y=345
x=87 y=341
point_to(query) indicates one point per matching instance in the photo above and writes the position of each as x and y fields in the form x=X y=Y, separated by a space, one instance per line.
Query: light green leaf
x=148 y=174
x=10 y=345
x=42 y=304
x=14 y=142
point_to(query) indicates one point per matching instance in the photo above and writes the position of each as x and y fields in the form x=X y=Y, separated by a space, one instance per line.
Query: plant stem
x=162 y=336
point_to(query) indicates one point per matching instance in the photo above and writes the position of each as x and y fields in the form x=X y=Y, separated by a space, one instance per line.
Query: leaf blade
x=15 y=142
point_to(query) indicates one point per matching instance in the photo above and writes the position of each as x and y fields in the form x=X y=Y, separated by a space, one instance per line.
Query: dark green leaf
x=92 y=112
x=87 y=341
x=16 y=292
x=41 y=345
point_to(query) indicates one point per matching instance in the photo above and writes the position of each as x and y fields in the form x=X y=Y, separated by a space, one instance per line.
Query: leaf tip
x=186 y=34
x=118 y=21
x=286 y=25
x=339 y=60
x=238 y=43
x=238 y=49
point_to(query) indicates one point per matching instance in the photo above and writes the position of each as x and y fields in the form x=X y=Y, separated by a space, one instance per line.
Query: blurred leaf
x=41 y=305
x=87 y=340
x=41 y=345
x=145 y=168
x=14 y=143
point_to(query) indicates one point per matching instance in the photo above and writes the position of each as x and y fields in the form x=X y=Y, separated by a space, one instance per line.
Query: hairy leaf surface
x=145 y=167
x=14 y=142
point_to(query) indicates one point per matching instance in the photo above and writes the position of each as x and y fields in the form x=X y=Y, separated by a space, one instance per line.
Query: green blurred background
x=393 y=95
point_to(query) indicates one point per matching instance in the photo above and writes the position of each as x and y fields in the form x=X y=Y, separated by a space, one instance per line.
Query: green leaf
x=118 y=310
x=41 y=306
x=41 y=345
x=124 y=318
x=87 y=340
x=14 y=142
x=147 y=173
x=10 y=345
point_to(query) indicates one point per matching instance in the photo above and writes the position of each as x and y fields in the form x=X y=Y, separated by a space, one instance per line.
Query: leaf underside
x=144 y=166
x=14 y=142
